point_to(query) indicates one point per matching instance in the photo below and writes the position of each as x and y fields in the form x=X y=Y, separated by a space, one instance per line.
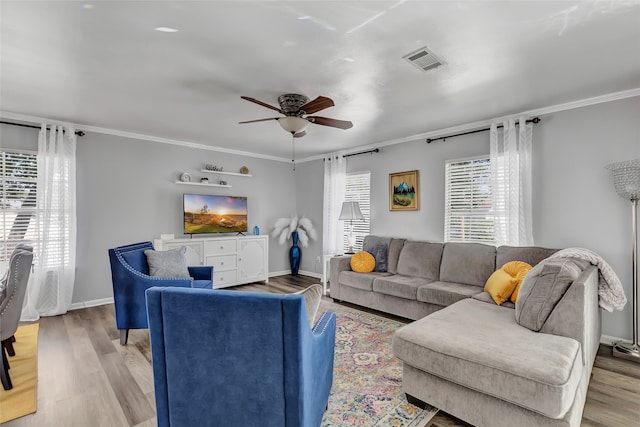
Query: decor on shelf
x=185 y=177
x=213 y=168
x=403 y=191
x=244 y=170
x=297 y=229
x=350 y=211
x=626 y=180
x=223 y=182
x=204 y=180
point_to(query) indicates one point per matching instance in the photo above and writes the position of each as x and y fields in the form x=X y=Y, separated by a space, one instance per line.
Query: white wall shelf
x=226 y=173
x=205 y=184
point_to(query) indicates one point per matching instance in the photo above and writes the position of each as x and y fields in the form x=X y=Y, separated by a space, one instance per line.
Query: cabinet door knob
x=222 y=263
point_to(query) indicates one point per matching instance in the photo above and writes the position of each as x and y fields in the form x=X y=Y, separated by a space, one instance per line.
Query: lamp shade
x=350 y=211
x=626 y=178
x=293 y=124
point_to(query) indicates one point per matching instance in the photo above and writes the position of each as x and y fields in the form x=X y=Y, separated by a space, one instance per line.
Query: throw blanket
x=610 y=292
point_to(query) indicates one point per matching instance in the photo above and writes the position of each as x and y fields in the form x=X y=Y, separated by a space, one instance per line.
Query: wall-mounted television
x=206 y=213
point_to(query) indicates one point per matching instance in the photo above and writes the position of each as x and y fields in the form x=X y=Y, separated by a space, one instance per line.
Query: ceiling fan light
x=293 y=124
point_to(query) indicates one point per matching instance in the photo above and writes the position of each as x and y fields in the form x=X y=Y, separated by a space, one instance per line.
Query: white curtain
x=51 y=283
x=335 y=176
x=510 y=153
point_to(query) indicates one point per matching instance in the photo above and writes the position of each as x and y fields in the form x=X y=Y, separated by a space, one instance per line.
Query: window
x=18 y=181
x=468 y=211
x=358 y=190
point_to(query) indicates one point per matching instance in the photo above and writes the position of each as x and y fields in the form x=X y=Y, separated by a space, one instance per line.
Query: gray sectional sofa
x=524 y=364
x=422 y=277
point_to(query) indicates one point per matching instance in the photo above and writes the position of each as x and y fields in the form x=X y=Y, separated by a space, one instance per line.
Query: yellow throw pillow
x=522 y=269
x=500 y=285
x=363 y=262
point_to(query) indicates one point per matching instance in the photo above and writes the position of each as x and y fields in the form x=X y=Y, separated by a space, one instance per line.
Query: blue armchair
x=130 y=278
x=238 y=358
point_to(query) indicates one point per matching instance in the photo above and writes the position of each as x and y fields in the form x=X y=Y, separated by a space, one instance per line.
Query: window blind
x=469 y=215
x=18 y=182
x=358 y=189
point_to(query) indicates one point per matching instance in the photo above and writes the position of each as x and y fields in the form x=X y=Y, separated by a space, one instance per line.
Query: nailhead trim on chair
x=320 y=322
x=145 y=276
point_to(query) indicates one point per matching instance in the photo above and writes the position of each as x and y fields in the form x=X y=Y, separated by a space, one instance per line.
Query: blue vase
x=294 y=254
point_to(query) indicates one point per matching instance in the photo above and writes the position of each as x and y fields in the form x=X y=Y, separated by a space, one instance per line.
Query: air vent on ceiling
x=424 y=59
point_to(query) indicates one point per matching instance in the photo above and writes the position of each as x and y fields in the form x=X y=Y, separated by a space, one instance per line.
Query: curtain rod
x=78 y=132
x=375 y=150
x=535 y=120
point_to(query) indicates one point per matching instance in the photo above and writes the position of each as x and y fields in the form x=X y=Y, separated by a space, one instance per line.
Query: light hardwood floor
x=86 y=378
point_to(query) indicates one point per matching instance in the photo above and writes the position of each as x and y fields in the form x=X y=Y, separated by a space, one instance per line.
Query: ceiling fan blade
x=335 y=123
x=320 y=103
x=258 y=120
x=262 y=103
x=299 y=134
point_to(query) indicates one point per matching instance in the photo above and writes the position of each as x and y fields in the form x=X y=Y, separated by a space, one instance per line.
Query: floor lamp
x=349 y=212
x=626 y=180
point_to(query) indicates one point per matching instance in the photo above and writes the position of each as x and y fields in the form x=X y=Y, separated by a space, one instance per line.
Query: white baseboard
x=303 y=272
x=92 y=303
x=609 y=340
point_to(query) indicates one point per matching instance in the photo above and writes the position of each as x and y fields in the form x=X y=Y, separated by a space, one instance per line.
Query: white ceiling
x=102 y=64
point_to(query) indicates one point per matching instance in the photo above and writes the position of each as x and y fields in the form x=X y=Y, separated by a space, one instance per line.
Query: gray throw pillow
x=312 y=296
x=172 y=263
x=379 y=248
x=542 y=288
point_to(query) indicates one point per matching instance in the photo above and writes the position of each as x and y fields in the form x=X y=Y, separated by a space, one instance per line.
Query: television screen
x=206 y=213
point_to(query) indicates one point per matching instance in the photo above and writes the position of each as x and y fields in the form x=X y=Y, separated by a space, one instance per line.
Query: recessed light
x=349 y=59
x=304 y=18
x=87 y=6
x=166 y=29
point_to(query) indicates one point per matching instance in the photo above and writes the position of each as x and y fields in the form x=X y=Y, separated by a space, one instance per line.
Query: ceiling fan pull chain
x=293 y=151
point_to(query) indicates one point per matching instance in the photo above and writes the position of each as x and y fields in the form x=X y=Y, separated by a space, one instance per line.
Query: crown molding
x=136 y=136
x=486 y=123
x=431 y=134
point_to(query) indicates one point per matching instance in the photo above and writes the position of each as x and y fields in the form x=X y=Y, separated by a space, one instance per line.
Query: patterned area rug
x=367 y=378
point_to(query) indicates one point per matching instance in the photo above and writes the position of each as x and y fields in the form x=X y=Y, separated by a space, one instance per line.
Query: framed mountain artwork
x=403 y=191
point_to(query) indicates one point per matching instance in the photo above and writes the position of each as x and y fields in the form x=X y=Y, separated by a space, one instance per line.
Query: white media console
x=236 y=260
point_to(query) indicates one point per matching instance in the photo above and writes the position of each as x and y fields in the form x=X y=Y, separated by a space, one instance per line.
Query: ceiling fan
x=295 y=109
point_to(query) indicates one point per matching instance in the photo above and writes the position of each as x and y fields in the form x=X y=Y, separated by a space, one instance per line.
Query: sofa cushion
x=395 y=246
x=362 y=262
x=445 y=293
x=521 y=270
x=379 y=248
x=485 y=297
x=459 y=343
x=399 y=285
x=542 y=288
x=530 y=254
x=168 y=264
x=362 y=281
x=420 y=259
x=468 y=263
x=500 y=286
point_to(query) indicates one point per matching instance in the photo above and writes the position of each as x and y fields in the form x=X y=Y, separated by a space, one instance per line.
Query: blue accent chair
x=130 y=278
x=238 y=358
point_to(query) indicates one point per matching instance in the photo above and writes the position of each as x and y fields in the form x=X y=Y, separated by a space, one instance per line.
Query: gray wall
x=573 y=196
x=126 y=193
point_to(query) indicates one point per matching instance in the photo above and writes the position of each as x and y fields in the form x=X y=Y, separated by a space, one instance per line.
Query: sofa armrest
x=337 y=265
x=577 y=315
